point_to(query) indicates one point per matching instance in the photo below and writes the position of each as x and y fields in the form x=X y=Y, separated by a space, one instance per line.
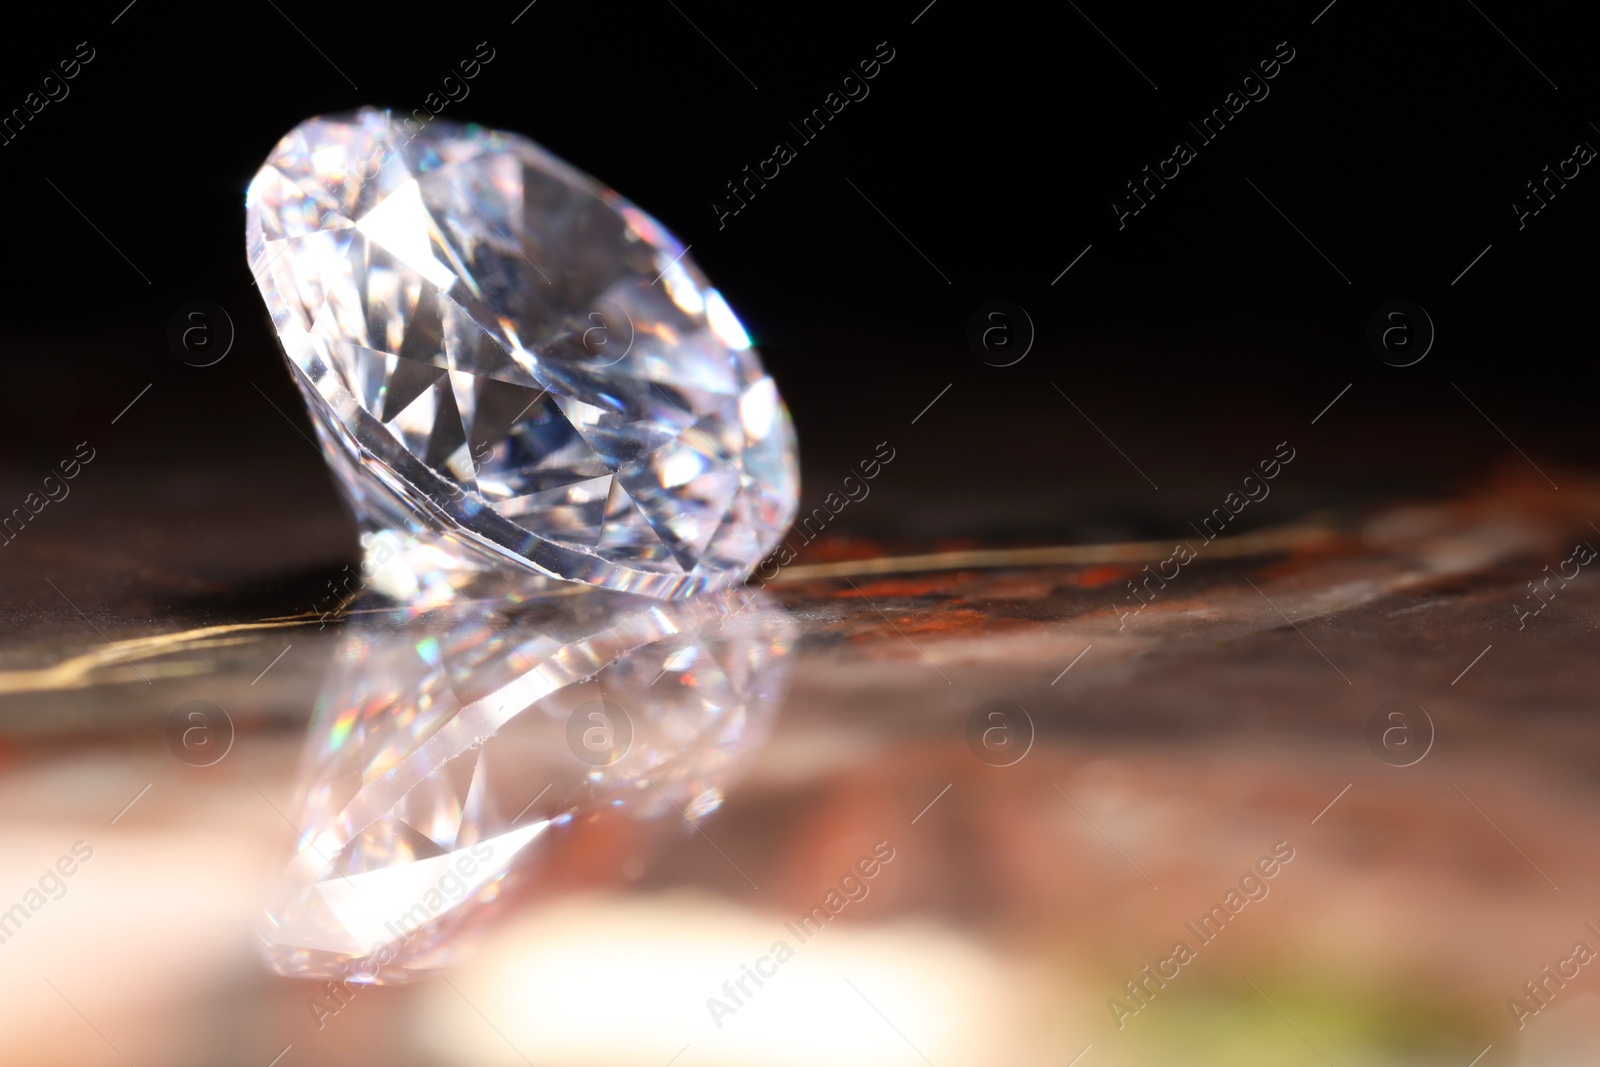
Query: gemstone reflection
x=445 y=745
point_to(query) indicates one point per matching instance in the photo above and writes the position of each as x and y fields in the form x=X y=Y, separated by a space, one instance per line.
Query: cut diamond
x=506 y=360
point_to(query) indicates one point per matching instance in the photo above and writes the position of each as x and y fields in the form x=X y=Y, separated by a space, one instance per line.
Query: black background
x=1195 y=338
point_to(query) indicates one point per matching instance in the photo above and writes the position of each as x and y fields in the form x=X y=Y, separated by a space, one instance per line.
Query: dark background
x=1196 y=338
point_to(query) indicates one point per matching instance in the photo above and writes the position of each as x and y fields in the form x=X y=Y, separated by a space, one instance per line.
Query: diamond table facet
x=509 y=365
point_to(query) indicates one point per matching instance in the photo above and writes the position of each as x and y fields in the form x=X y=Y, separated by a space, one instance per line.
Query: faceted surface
x=509 y=362
x=446 y=745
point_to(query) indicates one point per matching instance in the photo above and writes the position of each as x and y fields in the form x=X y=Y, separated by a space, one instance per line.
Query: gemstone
x=449 y=750
x=509 y=365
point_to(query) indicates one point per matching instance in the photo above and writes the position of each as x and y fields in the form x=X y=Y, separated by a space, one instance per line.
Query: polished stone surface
x=1170 y=752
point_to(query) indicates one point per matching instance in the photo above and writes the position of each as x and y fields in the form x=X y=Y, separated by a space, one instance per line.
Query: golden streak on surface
x=74 y=671
x=87 y=668
x=1260 y=542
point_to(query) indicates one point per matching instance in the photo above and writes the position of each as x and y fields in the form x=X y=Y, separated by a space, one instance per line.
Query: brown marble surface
x=1227 y=716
